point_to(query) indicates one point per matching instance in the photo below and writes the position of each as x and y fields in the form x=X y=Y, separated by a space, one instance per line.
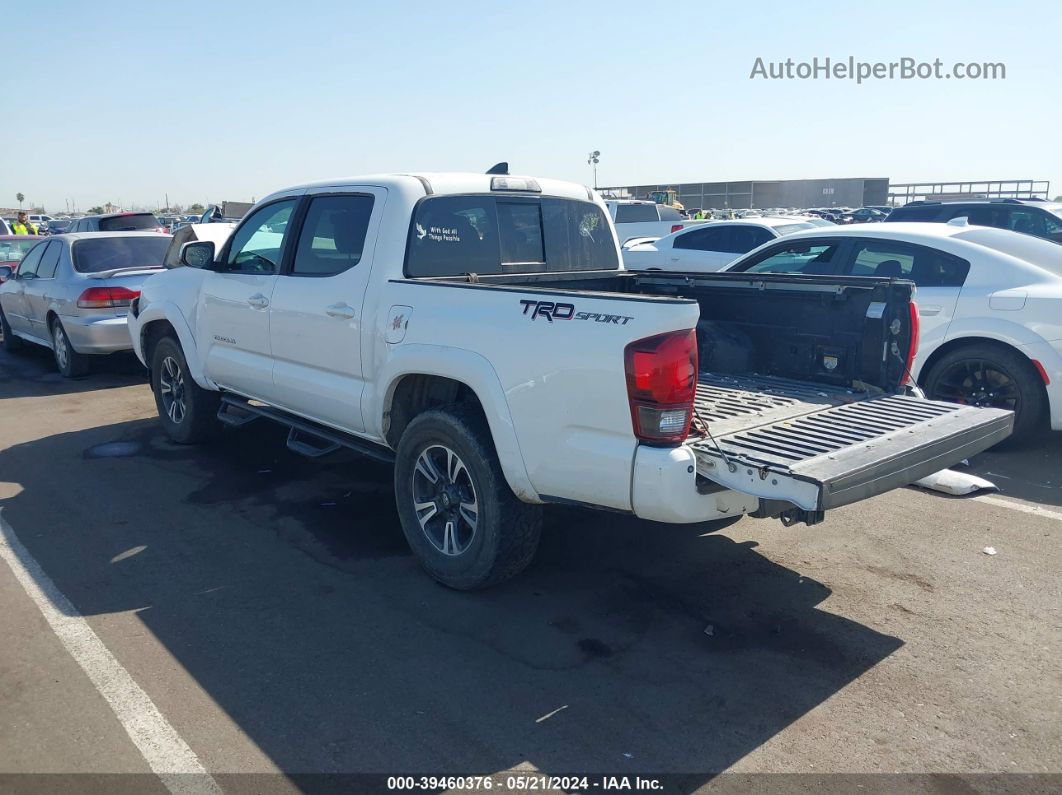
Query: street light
x=593 y=160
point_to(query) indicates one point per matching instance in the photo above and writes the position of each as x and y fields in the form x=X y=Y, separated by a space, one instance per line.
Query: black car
x=117 y=222
x=1031 y=216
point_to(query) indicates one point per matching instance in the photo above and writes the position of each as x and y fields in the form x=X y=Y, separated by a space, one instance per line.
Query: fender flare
x=475 y=372
x=168 y=311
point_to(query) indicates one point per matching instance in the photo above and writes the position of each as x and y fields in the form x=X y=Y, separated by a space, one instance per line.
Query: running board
x=305 y=437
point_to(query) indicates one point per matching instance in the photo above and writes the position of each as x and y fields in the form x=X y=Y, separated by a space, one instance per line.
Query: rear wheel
x=189 y=413
x=458 y=513
x=11 y=342
x=70 y=363
x=992 y=376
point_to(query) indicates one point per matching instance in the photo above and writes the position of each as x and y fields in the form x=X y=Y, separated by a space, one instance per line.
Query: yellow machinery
x=667 y=197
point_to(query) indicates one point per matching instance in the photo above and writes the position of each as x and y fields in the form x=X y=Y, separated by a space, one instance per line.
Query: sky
x=131 y=102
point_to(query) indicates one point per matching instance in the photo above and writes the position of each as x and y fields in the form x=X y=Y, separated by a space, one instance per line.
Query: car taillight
x=912 y=348
x=106 y=297
x=676 y=227
x=661 y=384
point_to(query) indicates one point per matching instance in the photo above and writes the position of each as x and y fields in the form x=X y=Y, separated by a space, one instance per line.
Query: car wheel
x=189 y=413
x=70 y=363
x=458 y=514
x=11 y=342
x=991 y=376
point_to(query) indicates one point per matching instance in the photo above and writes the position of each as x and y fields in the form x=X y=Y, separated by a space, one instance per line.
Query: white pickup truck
x=480 y=332
x=635 y=218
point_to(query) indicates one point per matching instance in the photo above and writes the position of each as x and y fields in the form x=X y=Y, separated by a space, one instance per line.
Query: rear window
x=94 y=255
x=452 y=235
x=788 y=229
x=14 y=250
x=636 y=213
x=136 y=222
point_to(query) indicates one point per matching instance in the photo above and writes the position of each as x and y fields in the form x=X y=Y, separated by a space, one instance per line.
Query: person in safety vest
x=22 y=226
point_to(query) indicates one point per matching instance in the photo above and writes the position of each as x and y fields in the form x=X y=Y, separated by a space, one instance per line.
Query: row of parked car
x=988 y=275
x=482 y=332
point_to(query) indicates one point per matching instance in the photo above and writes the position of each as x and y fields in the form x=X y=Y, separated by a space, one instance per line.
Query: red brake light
x=106 y=297
x=912 y=349
x=676 y=227
x=661 y=384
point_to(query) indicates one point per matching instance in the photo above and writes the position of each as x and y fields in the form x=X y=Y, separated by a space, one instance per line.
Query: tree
x=21 y=199
x=196 y=208
x=97 y=210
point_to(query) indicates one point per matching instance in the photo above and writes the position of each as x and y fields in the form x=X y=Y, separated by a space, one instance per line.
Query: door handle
x=258 y=301
x=929 y=310
x=340 y=310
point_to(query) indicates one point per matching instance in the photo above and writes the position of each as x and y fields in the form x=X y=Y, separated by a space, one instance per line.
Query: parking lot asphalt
x=268 y=606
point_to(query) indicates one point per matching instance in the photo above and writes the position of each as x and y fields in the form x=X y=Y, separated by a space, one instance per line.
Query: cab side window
x=333 y=235
x=259 y=242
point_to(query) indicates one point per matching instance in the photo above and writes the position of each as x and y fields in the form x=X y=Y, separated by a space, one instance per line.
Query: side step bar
x=304 y=436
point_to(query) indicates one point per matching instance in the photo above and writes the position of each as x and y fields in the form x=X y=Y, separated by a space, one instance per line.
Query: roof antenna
x=499 y=168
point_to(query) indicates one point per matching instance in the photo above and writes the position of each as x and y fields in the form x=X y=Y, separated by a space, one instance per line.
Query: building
x=840 y=192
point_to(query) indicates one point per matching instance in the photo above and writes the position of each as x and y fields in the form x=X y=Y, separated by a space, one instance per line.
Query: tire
x=196 y=417
x=506 y=532
x=11 y=342
x=1027 y=397
x=69 y=362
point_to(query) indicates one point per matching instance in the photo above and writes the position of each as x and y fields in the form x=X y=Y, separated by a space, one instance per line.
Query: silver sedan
x=71 y=293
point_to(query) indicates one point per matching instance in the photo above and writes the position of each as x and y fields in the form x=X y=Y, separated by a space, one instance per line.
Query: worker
x=699 y=216
x=22 y=226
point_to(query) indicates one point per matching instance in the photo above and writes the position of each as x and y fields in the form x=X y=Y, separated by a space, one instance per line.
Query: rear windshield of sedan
x=788 y=229
x=453 y=235
x=137 y=222
x=14 y=250
x=94 y=255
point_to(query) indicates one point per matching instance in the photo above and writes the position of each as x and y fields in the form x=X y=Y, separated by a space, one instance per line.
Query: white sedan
x=989 y=305
x=709 y=246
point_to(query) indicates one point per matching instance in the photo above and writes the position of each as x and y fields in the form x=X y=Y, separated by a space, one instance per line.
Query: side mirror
x=6 y=272
x=198 y=254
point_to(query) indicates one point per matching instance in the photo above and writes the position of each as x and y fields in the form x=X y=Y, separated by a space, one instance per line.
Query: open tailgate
x=822 y=447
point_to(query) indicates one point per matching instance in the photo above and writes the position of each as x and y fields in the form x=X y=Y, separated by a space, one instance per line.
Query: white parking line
x=1020 y=506
x=168 y=756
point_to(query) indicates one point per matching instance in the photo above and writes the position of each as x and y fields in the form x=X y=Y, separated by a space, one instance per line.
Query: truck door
x=316 y=319
x=233 y=324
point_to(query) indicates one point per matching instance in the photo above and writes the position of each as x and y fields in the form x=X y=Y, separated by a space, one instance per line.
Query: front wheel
x=993 y=376
x=189 y=413
x=458 y=514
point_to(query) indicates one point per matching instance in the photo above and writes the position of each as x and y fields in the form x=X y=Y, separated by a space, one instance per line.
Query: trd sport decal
x=553 y=311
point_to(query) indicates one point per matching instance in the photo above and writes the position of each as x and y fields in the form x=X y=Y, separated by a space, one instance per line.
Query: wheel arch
x=957 y=343
x=160 y=319
x=424 y=376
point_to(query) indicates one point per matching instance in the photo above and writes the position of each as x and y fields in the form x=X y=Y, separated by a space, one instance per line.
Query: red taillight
x=106 y=297
x=661 y=383
x=912 y=348
x=676 y=227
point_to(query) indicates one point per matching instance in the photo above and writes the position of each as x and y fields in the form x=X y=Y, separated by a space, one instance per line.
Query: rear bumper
x=99 y=335
x=664 y=489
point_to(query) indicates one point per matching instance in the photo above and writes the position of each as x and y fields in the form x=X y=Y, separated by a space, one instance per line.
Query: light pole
x=593 y=160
